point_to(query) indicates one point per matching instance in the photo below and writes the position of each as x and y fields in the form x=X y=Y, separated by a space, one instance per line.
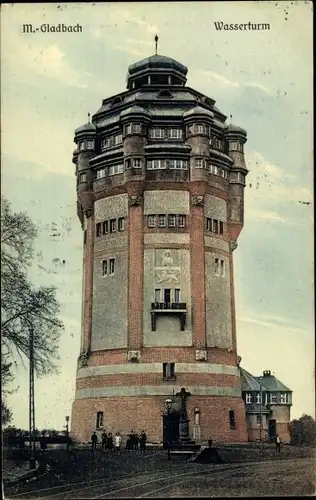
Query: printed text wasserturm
x=220 y=25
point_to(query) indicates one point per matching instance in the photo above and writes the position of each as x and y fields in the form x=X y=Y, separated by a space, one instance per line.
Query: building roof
x=235 y=129
x=272 y=384
x=87 y=127
x=133 y=110
x=198 y=110
x=157 y=61
x=249 y=382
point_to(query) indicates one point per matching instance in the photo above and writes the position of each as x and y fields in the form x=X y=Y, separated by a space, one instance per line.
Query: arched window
x=116 y=101
x=165 y=93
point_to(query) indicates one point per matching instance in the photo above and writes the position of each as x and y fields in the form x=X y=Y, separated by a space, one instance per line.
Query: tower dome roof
x=235 y=129
x=87 y=127
x=135 y=110
x=157 y=62
x=198 y=110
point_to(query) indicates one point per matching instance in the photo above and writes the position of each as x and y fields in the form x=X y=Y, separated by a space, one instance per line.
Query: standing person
x=136 y=441
x=94 y=440
x=118 y=443
x=128 y=442
x=142 y=442
x=132 y=440
x=110 y=442
x=43 y=443
x=277 y=443
x=104 y=440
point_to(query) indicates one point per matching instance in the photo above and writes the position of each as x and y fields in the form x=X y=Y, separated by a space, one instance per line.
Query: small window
x=165 y=93
x=248 y=398
x=100 y=416
x=127 y=163
x=116 y=101
x=258 y=398
x=259 y=419
x=83 y=177
x=213 y=169
x=232 y=420
x=137 y=163
x=167 y=297
x=81 y=145
x=177 y=295
x=181 y=220
x=157 y=295
x=98 y=229
x=121 y=222
x=105 y=227
x=283 y=398
x=104 y=267
x=112 y=225
x=100 y=173
x=240 y=178
x=112 y=266
x=272 y=398
x=208 y=224
x=161 y=221
x=169 y=371
x=221 y=227
x=157 y=133
x=222 y=268
x=90 y=145
x=217 y=266
x=199 y=163
x=84 y=236
x=136 y=128
x=151 y=221
x=175 y=133
x=233 y=146
x=171 y=164
x=199 y=129
x=215 y=226
x=118 y=139
x=171 y=221
x=128 y=129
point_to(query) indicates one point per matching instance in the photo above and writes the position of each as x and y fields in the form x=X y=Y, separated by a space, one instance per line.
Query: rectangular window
x=208 y=224
x=217 y=266
x=199 y=163
x=161 y=221
x=233 y=146
x=199 y=129
x=157 y=133
x=171 y=164
x=215 y=226
x=272 y=398
x=169 y=370
x=213 y=169
x=259 y=419
x=104 y=267
x=84 y=236
x=100 y=173
x=81 y=145
x=240 y=178
x=167 y=296
x=136 y=128
x=222 y=268
x=83 y=178
x=218 y=144
x=283 y=399
x=121 y=222
x=90 y=145
x=181 y=220
x=137 y=163
x=112 y=266
x=248 y=398
x=99 y=423
x=127 y=129
x=157 y=295
x=232 y=420
x=118 y=139
x=98 y=229
x=127 y=163
x=112 y=225
x=258 y=398
x=177 y=295
x=175 y=133
x=151 y=221
x=221 y=227
x=171 y=220
x=116 y=169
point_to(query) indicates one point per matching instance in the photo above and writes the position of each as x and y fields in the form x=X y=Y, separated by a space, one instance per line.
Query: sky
x=51 y=81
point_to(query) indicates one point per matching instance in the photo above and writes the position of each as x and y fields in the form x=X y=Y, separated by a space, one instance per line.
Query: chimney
x=266 y=373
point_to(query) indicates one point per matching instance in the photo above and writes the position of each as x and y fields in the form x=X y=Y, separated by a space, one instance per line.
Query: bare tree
x=24 y=308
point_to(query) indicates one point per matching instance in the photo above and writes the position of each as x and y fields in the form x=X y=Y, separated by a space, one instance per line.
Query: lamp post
x=260 y=409
x=67 y=432
x=168 y=404
x=32 y=463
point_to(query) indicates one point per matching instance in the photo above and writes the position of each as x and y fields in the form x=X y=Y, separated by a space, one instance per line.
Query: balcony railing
x=179 y=308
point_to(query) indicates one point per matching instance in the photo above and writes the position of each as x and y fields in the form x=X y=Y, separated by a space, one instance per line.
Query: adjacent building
x=160 y=197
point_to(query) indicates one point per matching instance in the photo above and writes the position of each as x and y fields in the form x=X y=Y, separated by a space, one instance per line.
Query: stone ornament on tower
x=233 y=245
x=133 y=356
x=87 y=212
x=200 y=355
x=135 y=201
x=197 y=201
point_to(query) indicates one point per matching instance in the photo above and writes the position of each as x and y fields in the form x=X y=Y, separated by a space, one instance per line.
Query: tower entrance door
x=272 y=429
x=171 y=428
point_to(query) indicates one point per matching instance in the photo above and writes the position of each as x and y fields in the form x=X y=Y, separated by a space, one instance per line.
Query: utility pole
x=32 y=403
x=260 y=432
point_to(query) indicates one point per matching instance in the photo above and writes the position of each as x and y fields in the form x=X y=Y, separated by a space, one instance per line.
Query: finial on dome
x=231 y=119
x=89 y=117
x=156 y=43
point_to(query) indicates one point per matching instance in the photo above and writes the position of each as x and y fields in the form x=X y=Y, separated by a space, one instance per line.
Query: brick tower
x=160 y=184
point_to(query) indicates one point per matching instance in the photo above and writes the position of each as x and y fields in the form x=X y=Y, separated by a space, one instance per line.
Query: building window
x=232 y=420
x=171 y=220
x=157 y=295
x=181 y=165
x=177 y=295
x=105 y=227
x=240 y=178
x=100 y=173
x=222 y=268
x=90 y=145
x=116 y=169
x=100 y=416
x=112 y=225
x=84 y=236
x=199 y=129
x=199 y=163
x=221 y=227
x=171 y=164
x=137 y=163
x=83 y=178
x=167 y=297
x=136 y=128
x=157 y=133
x=217 y=266
x=258 y=398
x=127 y=163
x=128 y=129
x=208 y=224
x=181 y=220
x=156 y=164
x=248 y=398
x=283 y=399
x=112 y=266
x=272 y=398
x=169 y=370
x=161 y=221
x=175 y=133
x=213 y=170
x=121 y=222
x=259 y=419
x=151 y=221
x=233 y=146
x=118 y=139
x=98 y=229
x=104 y=267
x=81 y=145
x=215 y=226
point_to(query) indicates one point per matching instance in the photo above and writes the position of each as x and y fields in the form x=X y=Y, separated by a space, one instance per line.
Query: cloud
x=227 y=84
x=272 y=322
x=266 y=215
x=130 y=50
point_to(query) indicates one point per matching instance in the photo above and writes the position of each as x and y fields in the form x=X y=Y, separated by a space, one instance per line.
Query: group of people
x=110 y=443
